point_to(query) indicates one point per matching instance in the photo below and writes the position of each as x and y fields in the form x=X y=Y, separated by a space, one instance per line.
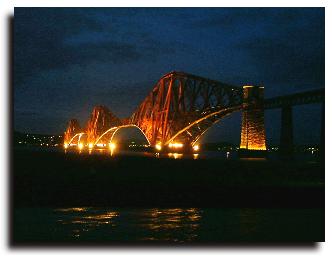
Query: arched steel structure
x=109 y=131
x=128 y=126
x=200 y=126
x=79 y=135
x=182 y=106
x=112 y=131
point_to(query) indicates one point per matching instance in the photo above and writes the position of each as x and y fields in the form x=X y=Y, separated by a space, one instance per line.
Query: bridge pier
x=253 y=142
x=286 y=134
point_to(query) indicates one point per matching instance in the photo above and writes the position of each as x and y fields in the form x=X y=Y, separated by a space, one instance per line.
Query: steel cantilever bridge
x=181 y=107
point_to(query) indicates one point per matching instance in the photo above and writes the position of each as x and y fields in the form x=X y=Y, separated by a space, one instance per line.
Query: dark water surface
x=170 y=225
x=143 y=197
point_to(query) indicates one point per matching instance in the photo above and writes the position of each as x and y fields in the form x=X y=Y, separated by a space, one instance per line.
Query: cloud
x=230 y=18
x=280 y=46
x=55 y=38
x=294 y=56
x=39 y=41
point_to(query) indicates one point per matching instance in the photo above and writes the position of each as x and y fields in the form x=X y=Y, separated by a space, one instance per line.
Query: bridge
x=286 y=103
x=181 y=107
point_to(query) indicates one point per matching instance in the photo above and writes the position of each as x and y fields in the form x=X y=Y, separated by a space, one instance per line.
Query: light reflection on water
x=175 y=155
x=81 y=220
x=177 y=225
x=226 y=155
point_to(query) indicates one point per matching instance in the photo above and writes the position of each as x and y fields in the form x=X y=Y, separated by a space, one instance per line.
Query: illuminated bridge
x=181 y=107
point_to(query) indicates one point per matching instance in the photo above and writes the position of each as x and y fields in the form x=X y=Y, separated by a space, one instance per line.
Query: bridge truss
x=181 y=107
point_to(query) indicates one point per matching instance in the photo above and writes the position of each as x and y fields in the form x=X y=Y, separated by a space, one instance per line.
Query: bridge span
x=181 y=107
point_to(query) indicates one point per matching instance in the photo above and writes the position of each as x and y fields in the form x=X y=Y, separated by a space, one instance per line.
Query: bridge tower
x=253 y=142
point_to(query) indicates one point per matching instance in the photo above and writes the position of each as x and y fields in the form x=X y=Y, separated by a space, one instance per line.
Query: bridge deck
x=309 y=97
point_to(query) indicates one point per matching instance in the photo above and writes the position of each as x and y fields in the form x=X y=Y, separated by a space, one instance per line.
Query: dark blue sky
x=67 y=60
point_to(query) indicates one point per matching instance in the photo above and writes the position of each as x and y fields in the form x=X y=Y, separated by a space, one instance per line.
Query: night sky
x=67 y=60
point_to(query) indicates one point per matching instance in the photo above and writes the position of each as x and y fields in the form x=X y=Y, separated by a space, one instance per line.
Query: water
x=170 y=225
x=148 y=225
